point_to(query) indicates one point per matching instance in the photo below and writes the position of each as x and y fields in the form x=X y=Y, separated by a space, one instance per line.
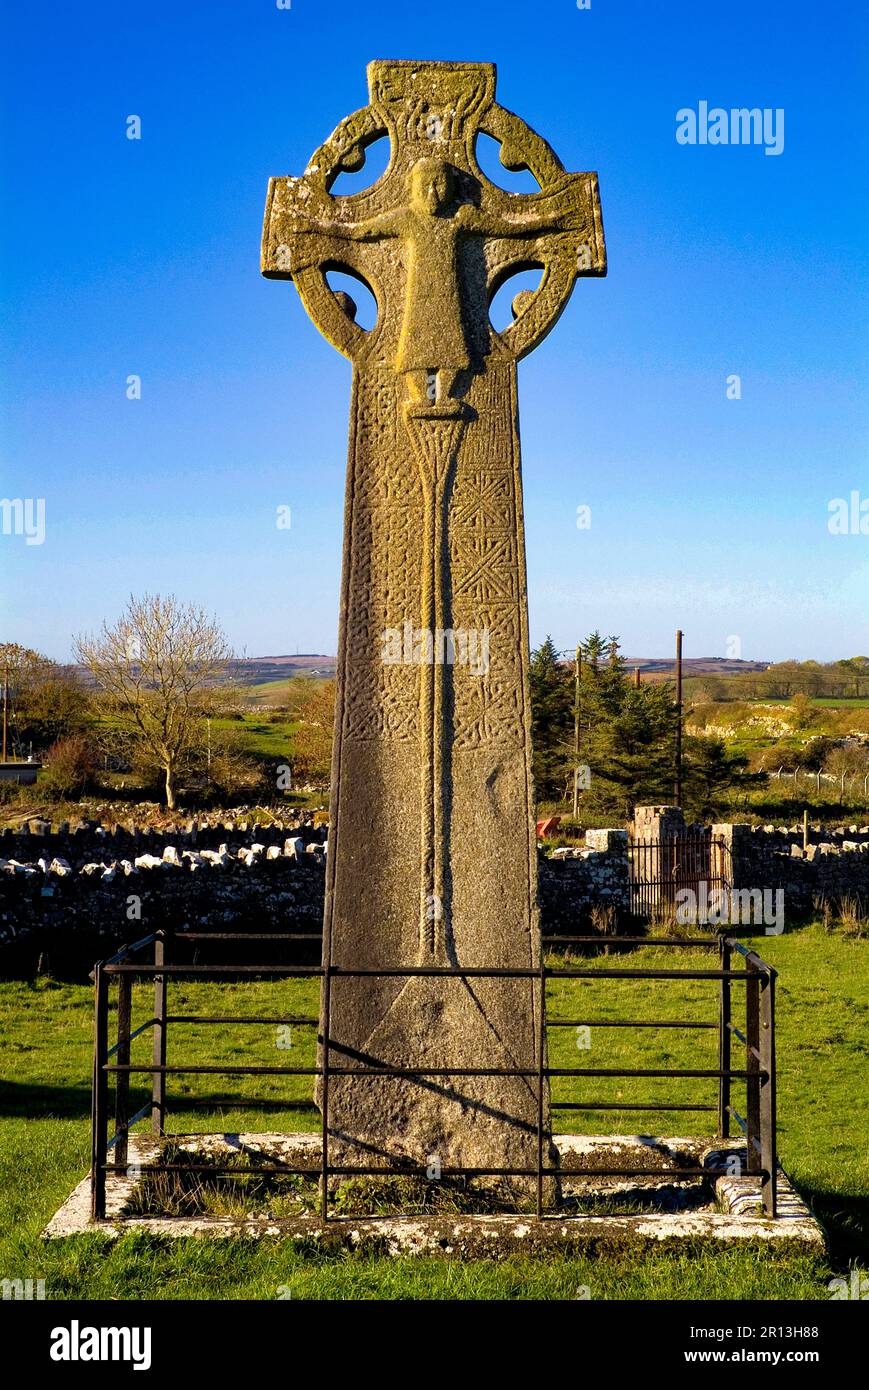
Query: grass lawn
x=823 y=1001
x=279 y=691
x=260 y=736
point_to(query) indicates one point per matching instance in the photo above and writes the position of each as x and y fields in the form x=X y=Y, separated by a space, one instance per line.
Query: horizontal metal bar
x=613 y=1105
x=218 y=1071
x=237 y=1018
x=215 y=971
x=623 y=1023
x=557 y=974
x=413 y=972
x=401 y=1172
x=500 y=972
x=247 y=1103
x=633 y=940
x=210 y=1168
x=657 y=1071
x=572 y=1173
x=315 y=1173
x=251 y=936
x=167 y=1070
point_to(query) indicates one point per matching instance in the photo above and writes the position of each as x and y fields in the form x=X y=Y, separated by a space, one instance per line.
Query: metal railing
x=660 y=869
x=758 y=1038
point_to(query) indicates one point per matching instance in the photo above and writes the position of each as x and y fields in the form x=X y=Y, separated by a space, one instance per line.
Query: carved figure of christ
x=433 y=342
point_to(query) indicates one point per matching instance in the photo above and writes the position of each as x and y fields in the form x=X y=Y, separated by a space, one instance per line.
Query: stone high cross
x=432 y=852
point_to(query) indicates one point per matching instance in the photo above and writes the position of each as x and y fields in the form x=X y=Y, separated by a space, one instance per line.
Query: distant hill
x=256 y=670
x=260 y=670
x=695 y=665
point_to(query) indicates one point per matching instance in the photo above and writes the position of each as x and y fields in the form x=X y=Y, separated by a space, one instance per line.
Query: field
x=261 y=737
x=44 y=1141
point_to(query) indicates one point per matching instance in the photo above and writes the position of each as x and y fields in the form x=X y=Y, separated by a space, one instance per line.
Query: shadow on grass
x=845 y=1220
x=32 y=1101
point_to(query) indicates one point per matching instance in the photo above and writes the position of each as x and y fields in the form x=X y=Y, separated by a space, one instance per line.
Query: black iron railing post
x=752 y=1065
x=122 y=1078
x=324 y=1090
x=769 y=1157
x=100 y=1097
x=724 y=1039
x=541 y=1082
x=158 y=1056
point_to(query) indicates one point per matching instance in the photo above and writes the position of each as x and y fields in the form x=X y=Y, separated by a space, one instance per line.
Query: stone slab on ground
x=731 y=1213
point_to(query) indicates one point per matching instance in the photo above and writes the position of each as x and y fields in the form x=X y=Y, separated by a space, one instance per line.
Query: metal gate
x=660 y=870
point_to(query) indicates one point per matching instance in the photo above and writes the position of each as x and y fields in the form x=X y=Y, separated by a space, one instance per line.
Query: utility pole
x=678 y=783
x=5 y=703
x=576 y=680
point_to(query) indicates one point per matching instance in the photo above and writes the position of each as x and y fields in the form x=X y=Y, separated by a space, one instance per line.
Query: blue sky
x=123 y=257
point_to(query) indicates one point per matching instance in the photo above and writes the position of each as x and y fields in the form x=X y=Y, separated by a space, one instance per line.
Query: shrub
x=70 y=764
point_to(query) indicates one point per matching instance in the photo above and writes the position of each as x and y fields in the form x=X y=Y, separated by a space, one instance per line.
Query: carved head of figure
x=431 y=185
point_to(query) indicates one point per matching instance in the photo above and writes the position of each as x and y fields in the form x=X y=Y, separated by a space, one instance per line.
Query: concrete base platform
x=725 y=1206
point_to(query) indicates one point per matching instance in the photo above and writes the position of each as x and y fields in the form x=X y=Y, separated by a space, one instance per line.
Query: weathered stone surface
x=432 y=723
x=734 y=1216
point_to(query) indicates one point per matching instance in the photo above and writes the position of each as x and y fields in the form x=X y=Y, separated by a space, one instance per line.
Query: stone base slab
x=731 y=1211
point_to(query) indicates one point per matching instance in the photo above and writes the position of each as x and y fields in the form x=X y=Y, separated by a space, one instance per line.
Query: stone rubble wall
x=89 y=842
x=69 y=898
x=832 y=868
x=72 y=896
x=575 y=884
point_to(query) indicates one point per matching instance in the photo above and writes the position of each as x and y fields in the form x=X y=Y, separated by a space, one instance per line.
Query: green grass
x=260 y=736
x=278 y=691
x=254 y=731
x=44 y=1138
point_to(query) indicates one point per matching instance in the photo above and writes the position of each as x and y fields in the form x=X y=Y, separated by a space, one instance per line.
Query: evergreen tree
x=627 y=738
x=712 y=773
x=551 y=721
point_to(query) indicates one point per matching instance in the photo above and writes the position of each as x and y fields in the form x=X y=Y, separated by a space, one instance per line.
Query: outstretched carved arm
x=375 y=228
x=566 y=207
x=299 y=220
x=523 y=224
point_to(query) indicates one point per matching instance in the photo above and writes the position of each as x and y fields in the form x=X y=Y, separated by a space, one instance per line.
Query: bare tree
x=157 y=666
x=846 y=762
x=312 y=742
x=18 y=668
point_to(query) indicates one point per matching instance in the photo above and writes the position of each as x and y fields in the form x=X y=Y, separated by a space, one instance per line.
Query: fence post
x=541 y=1081
x=769 y=1158
x=752 y=1065
x=99 y=1104
x=324 y=1090
x=122 y=1078
x=158 y=1056
x=724 y=957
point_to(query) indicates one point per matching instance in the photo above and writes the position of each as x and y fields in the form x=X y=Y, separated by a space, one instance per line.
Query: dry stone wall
x=833 y=867
x=71 y=896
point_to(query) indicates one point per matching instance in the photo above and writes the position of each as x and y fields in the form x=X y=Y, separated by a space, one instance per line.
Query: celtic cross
x=432 y=855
